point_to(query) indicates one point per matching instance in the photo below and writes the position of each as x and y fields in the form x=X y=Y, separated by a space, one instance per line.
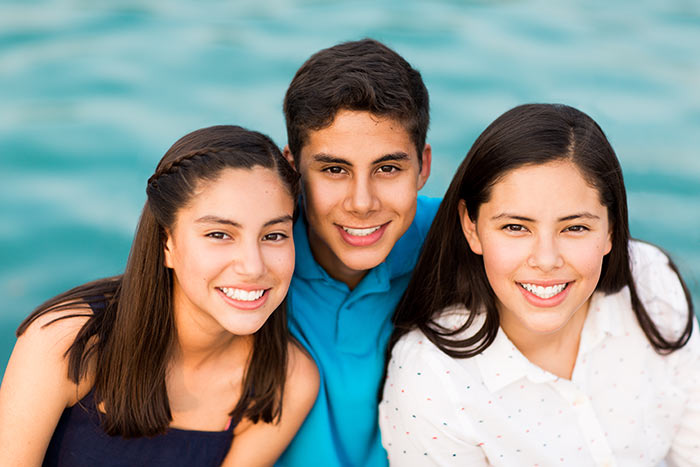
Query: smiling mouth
x=361 y=232
x=544 y=292
x=243 y=295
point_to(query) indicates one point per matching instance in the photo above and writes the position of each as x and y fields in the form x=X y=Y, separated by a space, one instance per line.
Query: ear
x=427 y=158
x=608 y=243
x=289 y=156
x=167 y=250
x=469 y=229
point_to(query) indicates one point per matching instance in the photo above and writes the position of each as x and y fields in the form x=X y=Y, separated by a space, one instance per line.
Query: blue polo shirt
x=346 y=333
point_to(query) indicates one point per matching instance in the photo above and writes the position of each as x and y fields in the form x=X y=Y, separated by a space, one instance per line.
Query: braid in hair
x=184 y=160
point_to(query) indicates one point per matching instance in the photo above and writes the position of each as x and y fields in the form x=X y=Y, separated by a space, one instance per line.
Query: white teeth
x=544 y=292
x=360 y=232
x=243 y=295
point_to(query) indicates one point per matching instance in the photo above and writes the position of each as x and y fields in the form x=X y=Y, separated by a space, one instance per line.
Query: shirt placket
x=579 y=402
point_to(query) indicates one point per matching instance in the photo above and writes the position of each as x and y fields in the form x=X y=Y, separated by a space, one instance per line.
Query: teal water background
x=92 y=93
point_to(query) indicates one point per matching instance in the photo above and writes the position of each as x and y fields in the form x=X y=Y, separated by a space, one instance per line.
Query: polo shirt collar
x=306 y=266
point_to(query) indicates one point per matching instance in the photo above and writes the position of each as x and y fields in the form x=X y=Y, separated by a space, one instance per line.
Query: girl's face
x=231 y=251
x=543 y=235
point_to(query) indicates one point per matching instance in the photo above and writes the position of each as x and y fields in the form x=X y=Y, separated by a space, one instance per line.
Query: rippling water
x=93 y=92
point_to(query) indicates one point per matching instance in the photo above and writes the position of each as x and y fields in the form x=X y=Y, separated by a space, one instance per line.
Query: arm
x=260 y=444
x=420 y=414
x=35 y=390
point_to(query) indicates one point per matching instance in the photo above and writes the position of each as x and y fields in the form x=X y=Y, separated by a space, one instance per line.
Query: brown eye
x=275 y=237
x=387 y=169
x=335 y=170
x=218 y=235
x=514 y=228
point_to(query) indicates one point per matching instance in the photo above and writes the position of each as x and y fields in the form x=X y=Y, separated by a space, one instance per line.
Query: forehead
x=257 y=193
x=539 y=190
x=359 y=137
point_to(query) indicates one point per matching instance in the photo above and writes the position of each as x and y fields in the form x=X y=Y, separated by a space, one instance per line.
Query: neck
x=201 y=340
x=555 y=352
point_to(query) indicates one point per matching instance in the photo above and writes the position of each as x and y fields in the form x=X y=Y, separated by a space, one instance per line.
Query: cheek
x=588 y=261
x=400 y=197
x=502 y=258
x=281 y=263
x=319 y=196
x=202 y=262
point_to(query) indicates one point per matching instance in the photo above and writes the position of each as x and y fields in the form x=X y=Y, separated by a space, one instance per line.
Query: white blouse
x=625 y=404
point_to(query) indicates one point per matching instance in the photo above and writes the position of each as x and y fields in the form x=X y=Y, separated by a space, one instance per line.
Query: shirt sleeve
x=685 y=446
x=661 y=293
x=419 y=415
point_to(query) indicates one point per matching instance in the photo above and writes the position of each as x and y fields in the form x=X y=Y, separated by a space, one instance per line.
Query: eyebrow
x=580 y=215
x=221 y=220
x=327 y=158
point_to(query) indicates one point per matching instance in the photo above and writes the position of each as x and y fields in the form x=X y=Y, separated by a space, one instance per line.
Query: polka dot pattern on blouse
x=625 y=404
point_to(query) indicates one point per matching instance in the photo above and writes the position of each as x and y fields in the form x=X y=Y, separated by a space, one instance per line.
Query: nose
x=249 y=261
x=361 y=198
x=545 y=254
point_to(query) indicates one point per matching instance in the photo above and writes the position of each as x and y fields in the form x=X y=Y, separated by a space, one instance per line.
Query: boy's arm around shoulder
x=36 y=389
x=261 y=444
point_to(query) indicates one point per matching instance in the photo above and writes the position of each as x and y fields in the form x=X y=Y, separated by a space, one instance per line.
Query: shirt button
x=580 y=400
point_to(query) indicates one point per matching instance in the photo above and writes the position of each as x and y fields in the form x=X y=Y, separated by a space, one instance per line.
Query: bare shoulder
x=52 y=333
x=60 y=325
x=302 y=373
x=42 y=348
x=261 y=444
x=36 y=388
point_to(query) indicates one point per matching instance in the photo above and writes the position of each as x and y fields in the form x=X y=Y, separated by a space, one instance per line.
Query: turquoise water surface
x=93 y=93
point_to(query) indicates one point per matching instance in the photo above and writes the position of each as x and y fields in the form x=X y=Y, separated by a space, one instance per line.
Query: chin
x=245 y=328
x=365 y=263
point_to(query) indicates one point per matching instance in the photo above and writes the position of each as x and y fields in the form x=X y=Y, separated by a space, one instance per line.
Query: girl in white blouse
x=534 y=331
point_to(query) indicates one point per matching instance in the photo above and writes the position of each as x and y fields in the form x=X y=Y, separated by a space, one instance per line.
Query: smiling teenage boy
x=357 y=116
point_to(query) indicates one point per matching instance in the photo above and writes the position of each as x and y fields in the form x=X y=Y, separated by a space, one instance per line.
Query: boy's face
x=361 y=177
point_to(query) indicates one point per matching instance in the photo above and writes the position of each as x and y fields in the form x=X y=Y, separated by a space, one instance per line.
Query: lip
x=245 y=305
x=545 y=302
x=367 y=240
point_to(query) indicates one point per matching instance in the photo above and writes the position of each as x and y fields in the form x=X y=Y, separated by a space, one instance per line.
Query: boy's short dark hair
x=360 y=75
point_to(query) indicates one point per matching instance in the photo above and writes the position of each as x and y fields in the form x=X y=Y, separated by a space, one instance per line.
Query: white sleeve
x=419 y=416
x=685 y=447
x=661 y=292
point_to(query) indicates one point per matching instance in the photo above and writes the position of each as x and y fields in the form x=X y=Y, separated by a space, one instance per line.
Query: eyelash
x=218 y=235
x=280 y=236
x=334 y=170
x=514 y=228
x=274 y=237
x=521 y=228
x=577 y=228
x=392 y=168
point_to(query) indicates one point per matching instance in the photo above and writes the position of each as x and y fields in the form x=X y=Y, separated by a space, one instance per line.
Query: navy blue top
x=80 y=441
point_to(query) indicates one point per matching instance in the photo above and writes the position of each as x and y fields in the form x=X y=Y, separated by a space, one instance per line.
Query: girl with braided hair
x=187 y=350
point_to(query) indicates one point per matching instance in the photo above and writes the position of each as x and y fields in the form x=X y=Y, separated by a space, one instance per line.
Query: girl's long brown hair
x=448 y=273
x=131 y=333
